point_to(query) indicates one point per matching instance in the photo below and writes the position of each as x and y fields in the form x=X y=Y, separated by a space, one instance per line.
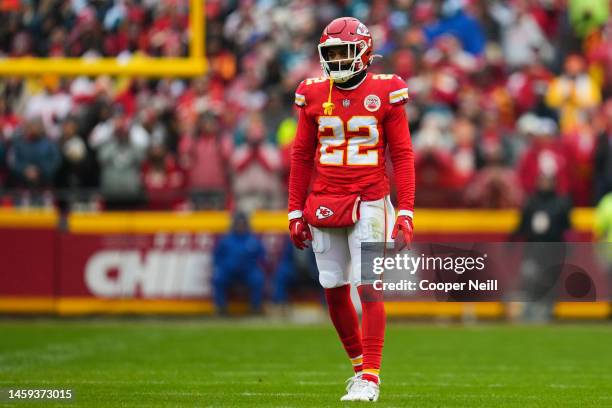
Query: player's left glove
x=405 y=225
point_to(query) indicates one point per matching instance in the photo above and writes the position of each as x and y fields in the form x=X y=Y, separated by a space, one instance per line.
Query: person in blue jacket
x=455 y=21
x=33 y=158
x=295 y=268
x=237 y=259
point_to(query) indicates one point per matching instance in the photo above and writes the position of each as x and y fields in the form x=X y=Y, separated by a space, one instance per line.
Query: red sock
x=345 y=320
x=373 y=330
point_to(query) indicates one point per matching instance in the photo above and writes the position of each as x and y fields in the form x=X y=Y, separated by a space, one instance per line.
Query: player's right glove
x=404 y=225
x=299 y=232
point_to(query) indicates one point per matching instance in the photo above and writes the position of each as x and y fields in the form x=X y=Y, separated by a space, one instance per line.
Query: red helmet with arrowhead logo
x=352 y=44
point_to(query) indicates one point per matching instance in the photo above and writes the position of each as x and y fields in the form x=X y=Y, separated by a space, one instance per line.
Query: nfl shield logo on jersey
x=323 y=212
x=372 y=103
x=346 y=103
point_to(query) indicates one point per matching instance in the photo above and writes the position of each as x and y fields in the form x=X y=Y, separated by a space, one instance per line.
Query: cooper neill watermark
x=410 y=264
x=473 y=272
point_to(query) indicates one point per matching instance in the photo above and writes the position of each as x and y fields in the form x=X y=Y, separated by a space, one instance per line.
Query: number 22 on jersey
x=356 y=152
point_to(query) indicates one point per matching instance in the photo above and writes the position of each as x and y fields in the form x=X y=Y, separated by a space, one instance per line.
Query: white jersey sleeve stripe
x=398 y=92
x=398 y=97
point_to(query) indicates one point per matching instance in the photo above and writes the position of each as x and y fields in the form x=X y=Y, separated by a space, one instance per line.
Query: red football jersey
x=347 y=146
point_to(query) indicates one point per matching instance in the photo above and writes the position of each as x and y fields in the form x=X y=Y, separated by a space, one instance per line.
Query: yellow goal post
x=193 y=65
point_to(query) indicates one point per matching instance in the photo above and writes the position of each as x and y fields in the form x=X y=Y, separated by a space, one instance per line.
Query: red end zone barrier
x=28 y=261
x=161 y=262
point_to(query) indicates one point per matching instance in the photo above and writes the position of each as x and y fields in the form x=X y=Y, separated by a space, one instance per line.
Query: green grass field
x=245 y=364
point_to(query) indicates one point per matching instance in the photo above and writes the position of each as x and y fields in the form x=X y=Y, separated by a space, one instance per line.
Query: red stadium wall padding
x=572 y=236
x=113 y=265
x=44 y=262
x=28 y=262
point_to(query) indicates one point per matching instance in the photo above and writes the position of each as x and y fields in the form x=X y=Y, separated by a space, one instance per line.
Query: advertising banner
x=177 y=265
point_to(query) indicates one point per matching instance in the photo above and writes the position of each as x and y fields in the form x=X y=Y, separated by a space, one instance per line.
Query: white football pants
x=338 y=250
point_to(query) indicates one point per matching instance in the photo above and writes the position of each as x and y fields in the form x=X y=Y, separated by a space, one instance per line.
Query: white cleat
x=368 y=391
x=350 y=387
x=361 y=390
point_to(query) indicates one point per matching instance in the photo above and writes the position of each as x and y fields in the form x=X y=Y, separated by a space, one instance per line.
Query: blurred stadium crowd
x=501 y=92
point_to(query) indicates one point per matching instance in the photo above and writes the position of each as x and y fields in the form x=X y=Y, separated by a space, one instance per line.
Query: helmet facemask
x=346 y=61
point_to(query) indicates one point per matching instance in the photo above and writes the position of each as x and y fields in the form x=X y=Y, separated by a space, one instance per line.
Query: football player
x=347 y=120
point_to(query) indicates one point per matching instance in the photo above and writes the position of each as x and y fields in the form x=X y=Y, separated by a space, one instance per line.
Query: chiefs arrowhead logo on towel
x=323 y=212
x=332 y=211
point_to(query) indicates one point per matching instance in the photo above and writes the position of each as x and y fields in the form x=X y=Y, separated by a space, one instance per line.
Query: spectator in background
x=8 y=124
x=205 y=154
x=495 y=185
x=285 y=136
x=455 y=21
x=544 y=218
x=528 y=85
x=602 y=230
x=546 y=214
x=572 y=93
x=147 y=130
x=284 y=276
x=447 y=53
x=132 y=97
x=527 y=126
x=120 y=162
x=544 y=156
x=246 y=24
x=2 y=165
x=204 y=94
x=91 y=101
x=603 y=220
x=166 y=36
x=295 y=269
x=436 y=174
x=603 y=154
x=163 y=179
x=256 y=168
x=493 y=137
x=222 y=61
x=51 y=104
x=436 y=178
x=33 y=159
x=245 y=93
x=464 y=152
x=8 y=120
x=85 y=39
x=78 y=170
x=236 y=259
x=435 y=131
x=103 y=132
x=441 y=82
x=523 y=40
x=580 y=147
x=598 y=51
x=493 y=88
x=586 y=16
